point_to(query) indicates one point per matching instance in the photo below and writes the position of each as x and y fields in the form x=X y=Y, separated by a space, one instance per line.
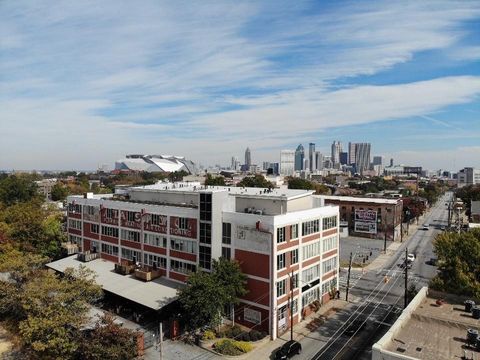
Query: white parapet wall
x=379 y=349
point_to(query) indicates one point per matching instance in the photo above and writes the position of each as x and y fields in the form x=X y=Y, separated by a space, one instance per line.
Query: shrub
x=232 y=347
x=256 y=335
x=243 y=346
x=208 y=335
x=243 y=337
x=233 y=332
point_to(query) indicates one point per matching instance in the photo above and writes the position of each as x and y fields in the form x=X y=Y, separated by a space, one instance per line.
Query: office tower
x=248 y=158
x=233 y=165
x=344 y=158
x=336 y=150
x=287 y=162
x=391 y=162
x=318 y=159
x=377 y=160
x=327 y=162
x=351 y=153
x=311 y=156
x=362 y=157
x=299 y=157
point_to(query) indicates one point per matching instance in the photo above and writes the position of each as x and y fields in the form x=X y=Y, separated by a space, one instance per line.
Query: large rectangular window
x=183 y=245
x=206 y=207
x=155 y=240
x=281 y=261
x=131 y=254
x=281 y=287
x=110 y=249
x=110 y=213
x=330 y=243
x=294 y=231
x=205 y=257
x=281 y=235
x=109 y=231
x=294 y=256
x=182 y=267
x=329 y=285
x=226 y=252
x=311 y=274
x=329 y=222
x=205 y=233
x=94 y=228
x=226 y=233
x=310 y=250
x=130 y=235
x=310 y=296
x=294 y=280
x=155 y=260
x=310 y=227
x=329 y=265
x=74 y=224
x=74 y=208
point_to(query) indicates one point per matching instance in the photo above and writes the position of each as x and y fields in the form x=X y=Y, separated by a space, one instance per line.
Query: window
x=75 y=240
x=310 y=250
x=110 y=249
x=311 y=274
x=155 y=240
x=206 y=207
x=186 y=246
x=294 y=306
x=252 y=316
x=89 y=210
x=94 y=228
x=130 y=254
x=330 y=243
x=226 y=233
x=157 y=219
x=183 y=223
x=182 y=267
x=294 y=256
x=74 y=224
x=294 y=231
x=310 y=296
x=226 y=252
x=130 y=235
x=281 y=287
x=329 y=222
x=155 y=260
x=310 y=227
x=75 y=208
x=329 y=285
x=329 y=265
x=130 y=215
x=205 y=233
x=205 y=257
x=281 y=235
x=110 y=231
x=281 y=261
x=110 y=213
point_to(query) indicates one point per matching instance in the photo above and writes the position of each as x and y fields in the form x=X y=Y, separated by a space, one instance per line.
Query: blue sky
x=83 y=83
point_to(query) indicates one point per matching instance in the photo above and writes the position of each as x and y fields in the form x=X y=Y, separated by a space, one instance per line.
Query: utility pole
x=348 y=276
x=405 y=300
x=160 y=335
x=291 y=306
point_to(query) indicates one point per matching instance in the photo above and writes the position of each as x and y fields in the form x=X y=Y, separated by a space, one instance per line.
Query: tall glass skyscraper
x=299 y=158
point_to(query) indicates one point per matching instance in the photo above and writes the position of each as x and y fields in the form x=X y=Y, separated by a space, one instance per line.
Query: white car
x=425 y=227
x=410 y=258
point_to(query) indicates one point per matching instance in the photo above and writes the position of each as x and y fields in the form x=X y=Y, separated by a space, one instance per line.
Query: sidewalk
x=301 y=330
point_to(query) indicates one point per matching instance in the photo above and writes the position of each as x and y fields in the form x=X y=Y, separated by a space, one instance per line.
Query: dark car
x=289 y=349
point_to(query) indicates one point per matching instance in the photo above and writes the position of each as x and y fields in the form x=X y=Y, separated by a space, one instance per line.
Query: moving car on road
x=410 y=258
x=289 y=349
x=425 y=227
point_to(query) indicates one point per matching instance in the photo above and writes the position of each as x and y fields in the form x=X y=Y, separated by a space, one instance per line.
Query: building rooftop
x=428 y=331
x=361 y=199
x=152 y=294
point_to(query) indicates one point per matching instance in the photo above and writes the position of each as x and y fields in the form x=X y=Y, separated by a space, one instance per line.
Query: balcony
x=148 y=273
x=87 y=256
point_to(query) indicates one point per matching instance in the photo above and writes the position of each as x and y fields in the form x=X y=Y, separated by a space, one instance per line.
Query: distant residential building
x=45 y=186
x=475 y=211
x=299 y=158
x=335 y=153
x=248 y=158
x=344 y=158
x=311 y=157
x=287 y=162
x=468 y=176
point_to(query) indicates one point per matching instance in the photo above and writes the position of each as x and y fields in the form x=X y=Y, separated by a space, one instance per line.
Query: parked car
x=289 y=349
x=432 y=261
x=425 y=227
x=410 y=258
x=442 y=228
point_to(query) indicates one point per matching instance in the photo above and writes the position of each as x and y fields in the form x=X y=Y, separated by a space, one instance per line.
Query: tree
x=258 y=181
x=458 y=259
x=109 y=340
x=59 y=192
x=16 y=189
x=202 y=300
x=468 y=194
x=299 y=183
x=230 y=278
x=217 y=180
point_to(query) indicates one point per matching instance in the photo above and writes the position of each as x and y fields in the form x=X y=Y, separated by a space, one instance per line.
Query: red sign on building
x=155 y=223
x=185 y=227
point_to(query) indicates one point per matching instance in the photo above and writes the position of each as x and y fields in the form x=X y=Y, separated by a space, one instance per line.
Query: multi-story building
x=311 y=157
x=336 y=150
x=378 y=160
x=248 y=158
x=468 y=176
x=299 y=158
x=287 y=162
x=362 y=157
x=352 y=153
x=285 y=241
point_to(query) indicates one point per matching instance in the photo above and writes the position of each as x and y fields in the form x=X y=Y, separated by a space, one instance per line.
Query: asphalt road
x=352 y=332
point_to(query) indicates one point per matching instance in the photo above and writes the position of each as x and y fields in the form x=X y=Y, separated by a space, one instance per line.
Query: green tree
x=468 y=194
x=59 y=192
x=109 y=340
x=214 y=181
x=458 y=259
x=299 y=183
x=229 y=277
x=202 y=300
x=257 y=181
x=16 y=189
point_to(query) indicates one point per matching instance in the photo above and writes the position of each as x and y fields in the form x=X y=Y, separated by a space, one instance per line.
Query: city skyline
x=84 y=85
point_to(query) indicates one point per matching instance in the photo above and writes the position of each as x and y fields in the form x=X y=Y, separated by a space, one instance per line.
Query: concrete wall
x=268 y=206
x=302 y=203
x=379 y=349
x=174 y=197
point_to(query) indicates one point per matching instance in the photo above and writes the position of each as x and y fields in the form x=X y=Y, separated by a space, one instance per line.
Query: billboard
x=366 y=221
